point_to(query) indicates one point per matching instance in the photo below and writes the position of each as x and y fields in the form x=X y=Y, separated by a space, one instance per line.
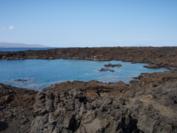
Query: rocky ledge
x=146 y=105
x=158 y=56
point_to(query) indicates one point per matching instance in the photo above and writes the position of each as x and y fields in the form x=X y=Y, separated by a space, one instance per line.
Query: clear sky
x=66 y=23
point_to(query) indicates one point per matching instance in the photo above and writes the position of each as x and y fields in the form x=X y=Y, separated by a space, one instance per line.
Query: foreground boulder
x=146 y=105
x=16 y=107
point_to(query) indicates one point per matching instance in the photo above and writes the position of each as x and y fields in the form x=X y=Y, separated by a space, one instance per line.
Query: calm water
x=41 y=73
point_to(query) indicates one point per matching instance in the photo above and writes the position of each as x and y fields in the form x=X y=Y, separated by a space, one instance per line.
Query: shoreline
x=103 y=82
x=146 y=104
x=157 y=56
x=145 y=95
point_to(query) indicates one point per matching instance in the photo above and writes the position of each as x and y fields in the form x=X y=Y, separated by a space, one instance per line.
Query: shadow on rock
x=3 y=125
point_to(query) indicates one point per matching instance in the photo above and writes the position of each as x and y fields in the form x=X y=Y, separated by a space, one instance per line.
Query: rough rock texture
x=156 y=56
x=15 y=109
x=147 y=104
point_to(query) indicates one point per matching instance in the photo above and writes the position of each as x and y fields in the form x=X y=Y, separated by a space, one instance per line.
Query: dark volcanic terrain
x=156 y=56
x=147 y=104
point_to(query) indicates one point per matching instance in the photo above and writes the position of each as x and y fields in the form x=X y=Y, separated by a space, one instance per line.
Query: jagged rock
x=137 y=109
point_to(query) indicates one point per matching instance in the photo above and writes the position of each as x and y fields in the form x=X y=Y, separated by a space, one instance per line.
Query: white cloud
x=11 y=27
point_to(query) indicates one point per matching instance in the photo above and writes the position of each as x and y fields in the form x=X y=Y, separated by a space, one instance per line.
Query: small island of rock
x=112 y=65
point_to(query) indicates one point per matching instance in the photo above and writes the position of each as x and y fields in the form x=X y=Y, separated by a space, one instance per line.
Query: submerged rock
x=112 y=65
x=21 y=80
x=109 y=67
x=106 y=70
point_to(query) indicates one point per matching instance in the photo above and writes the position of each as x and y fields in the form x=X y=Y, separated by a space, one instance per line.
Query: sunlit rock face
x=146 y=105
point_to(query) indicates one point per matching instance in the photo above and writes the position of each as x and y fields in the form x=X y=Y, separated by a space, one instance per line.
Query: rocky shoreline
x=156 y=56
x=146 y=105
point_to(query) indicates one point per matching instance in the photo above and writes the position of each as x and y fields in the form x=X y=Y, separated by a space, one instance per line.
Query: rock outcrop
x=112 y=65
x=147 y=104
x=16 y=107
x=105 y=69
x=158 y=56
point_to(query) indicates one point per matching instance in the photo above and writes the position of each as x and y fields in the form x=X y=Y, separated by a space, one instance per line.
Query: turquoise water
x=37 y=74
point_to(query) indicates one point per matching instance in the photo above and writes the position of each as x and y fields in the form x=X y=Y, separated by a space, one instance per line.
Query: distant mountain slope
x=19 y=45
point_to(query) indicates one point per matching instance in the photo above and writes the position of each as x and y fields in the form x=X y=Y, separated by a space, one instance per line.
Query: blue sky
x=66 y=23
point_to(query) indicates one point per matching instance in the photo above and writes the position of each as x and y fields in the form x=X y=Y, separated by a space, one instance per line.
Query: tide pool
x=37 y=74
